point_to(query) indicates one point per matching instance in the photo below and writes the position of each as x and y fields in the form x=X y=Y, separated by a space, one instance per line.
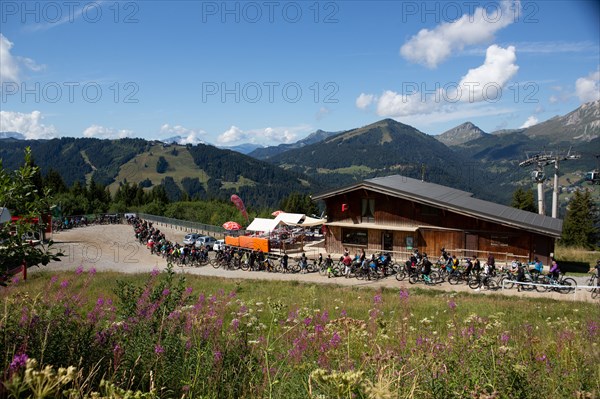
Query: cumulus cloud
x=183 y=135
x=484 y=83
x=322 y=113
x=101 y=132
x=364 y=100
x=431 y=47
x=9 y=67
x=268 y=136
x=30 y=125
x=532 y=120
x=587 y=88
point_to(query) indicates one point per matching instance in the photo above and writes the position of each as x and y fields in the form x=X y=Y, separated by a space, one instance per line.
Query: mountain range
x=464 y=157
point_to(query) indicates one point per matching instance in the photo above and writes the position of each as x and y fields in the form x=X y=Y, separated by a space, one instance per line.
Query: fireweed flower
x=79 y=270
x=18 y=361
x=64 y=284
x=403 y=295
x=92 y=271
x=452 y=304
x=158 y=349
x=166 y=292
x=377 y=299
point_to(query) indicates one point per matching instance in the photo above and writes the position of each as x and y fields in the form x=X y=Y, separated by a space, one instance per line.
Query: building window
x=355 y=236
x=499 y=241
x=367 y=210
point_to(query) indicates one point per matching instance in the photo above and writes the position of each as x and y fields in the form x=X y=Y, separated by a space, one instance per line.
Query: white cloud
x=481 y=84
x=30 y=125
x=232 y=135
x=101 y=132
x=486 y=81
x=588 y=88
x=532 y=120
x=184 y=135
x=391 y=103
x=364 y=100
x=322 y=113
x=431 y=47
x=266 y=136
x=9 y=67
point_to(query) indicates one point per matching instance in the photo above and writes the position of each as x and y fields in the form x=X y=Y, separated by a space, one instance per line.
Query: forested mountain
x=379 y=149
x=460 y=134
x=482 y=163
x=200 y=171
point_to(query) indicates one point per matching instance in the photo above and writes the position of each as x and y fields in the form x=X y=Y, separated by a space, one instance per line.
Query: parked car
x=191 y=238
x=207 y=241
x=219 y=245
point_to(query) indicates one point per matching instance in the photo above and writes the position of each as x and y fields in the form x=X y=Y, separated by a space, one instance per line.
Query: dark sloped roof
x=454 y=200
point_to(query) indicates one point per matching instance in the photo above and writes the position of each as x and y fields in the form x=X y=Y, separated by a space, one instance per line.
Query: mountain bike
x=563 y=284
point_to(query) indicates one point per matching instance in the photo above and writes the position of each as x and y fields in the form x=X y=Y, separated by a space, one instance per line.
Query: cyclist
x=537 y=265
x=491 y=263
x=455 y=263
x=469 y=267
x=426 y=268
x=554 y=273
x=284 y=262
x=347 y=261
x=445 y=254
x=476 y=265
x=597 y=267
x=303 y=263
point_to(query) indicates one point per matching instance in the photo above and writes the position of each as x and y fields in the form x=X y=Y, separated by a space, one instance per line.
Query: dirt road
x=113 y=247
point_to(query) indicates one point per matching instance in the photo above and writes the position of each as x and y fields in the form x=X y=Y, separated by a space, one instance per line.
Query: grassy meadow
x=166 y=335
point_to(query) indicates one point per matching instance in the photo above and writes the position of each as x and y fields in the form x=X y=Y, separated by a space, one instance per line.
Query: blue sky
x=271 y=72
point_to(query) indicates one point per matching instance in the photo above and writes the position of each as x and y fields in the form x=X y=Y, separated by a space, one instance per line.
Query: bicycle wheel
x=245 y=266
x=216 y=263
x=400 y=275
x=542 y=280
x=435 y=277
x=567 y=285
x=454 y=279
x=323 y=270
x=474 y=283
x=506 y=282
x=413 y=278
x=491 y=284
x=591 y=283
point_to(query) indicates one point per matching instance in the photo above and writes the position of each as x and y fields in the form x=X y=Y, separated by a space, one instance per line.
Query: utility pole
x=542 y=160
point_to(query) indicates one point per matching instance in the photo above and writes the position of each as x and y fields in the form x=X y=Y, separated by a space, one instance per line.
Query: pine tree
x=523 y=200
x=579 y=228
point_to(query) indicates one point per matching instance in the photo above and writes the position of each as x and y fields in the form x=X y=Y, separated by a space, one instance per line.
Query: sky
x=271 y=72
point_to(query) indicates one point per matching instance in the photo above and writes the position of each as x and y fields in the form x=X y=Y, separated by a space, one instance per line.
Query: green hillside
x=202 y=171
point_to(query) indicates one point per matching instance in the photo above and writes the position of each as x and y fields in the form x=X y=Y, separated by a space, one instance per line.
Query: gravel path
x=113 y=247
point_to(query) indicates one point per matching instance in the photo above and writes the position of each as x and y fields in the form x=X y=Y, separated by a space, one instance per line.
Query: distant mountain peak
x=461 y=134
x=12 y=135
x=581 y=124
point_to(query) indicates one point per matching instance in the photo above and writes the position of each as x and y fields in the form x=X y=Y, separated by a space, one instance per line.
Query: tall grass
x=576 y=254
x=169 y=336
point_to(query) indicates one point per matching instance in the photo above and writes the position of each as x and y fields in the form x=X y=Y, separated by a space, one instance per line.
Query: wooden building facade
x=398 y=214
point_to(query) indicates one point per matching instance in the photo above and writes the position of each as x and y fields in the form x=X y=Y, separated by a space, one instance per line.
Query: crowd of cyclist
x=70 y=222
x=418 y=267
